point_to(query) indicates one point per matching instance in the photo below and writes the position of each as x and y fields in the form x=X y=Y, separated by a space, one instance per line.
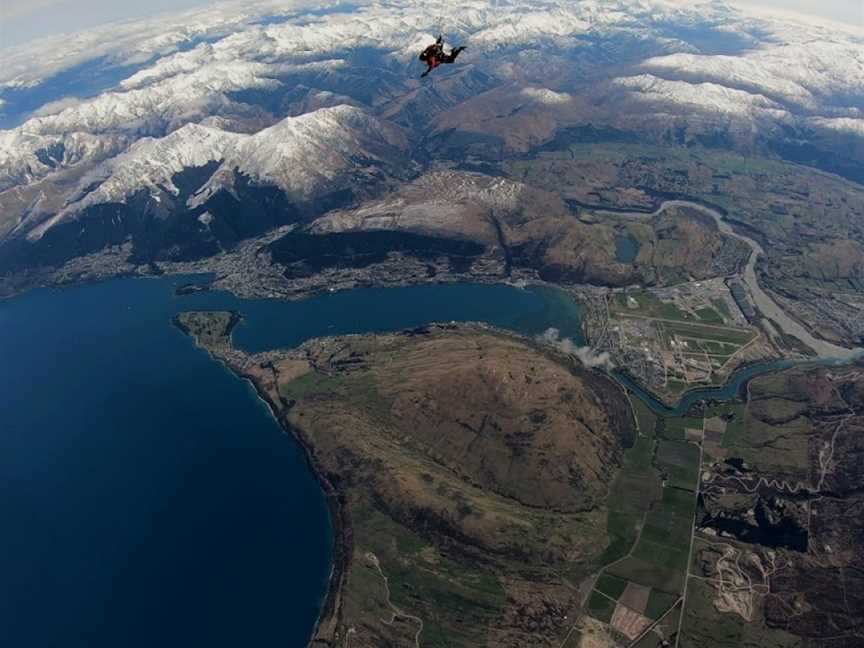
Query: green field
x=680 y=461
x=649 y=573
x=645 y=418
x=673 y=428
x=659 y=560
x=635 y=487
x=709 y=315
x=600 y=607
x=735 y=336
x=646 y=304
x=722 y=307
x=658 y=603
x=657 y=555
x=610 y=586
x=734 y=427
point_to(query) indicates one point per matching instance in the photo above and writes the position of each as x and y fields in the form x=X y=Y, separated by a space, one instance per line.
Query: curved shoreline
x=336 y=511
x=327 y=625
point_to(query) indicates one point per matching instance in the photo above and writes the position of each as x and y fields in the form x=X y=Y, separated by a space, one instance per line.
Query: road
x=761 y=299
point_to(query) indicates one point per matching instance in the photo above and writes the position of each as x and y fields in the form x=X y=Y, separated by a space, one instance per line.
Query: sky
x=850 y=12
x=25 y=20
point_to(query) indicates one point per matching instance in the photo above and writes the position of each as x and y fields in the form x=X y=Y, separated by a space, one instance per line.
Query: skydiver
x=434 y=55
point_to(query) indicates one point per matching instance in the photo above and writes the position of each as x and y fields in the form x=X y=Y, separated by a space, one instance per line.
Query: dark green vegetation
x=306 y=254
x=659 y=559
x=469 y=471
x=679 y=461
x=651 y=512
x=659 y=604
x=811 y=225
x=783 y=487
x=601 y=607
x=610 y=586
x=211 y=330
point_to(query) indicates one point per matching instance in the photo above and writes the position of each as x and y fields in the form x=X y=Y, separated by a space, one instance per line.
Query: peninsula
x=468 y=471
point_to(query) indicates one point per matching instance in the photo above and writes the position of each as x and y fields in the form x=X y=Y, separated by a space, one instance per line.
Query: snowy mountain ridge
x=284 y=103
x=298 y=155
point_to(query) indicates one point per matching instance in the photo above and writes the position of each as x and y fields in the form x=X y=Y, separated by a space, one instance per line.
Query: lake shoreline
x=331 y=625
x=152 y=477
x=337 y=511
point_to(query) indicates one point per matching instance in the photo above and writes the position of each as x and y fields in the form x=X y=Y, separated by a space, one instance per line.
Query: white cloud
x=54 y=107
x=847 y=12
x=840 y=124
x=11 y=9
x=586 y=355
x=25 y=20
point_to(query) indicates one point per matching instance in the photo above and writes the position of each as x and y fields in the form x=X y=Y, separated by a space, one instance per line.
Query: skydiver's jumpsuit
x=434 y=55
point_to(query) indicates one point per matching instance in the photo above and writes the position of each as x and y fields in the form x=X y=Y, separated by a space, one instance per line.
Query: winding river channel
x=149 y=496
x=761 y=299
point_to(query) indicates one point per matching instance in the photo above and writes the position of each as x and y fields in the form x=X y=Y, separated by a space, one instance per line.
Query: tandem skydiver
x=434 y=55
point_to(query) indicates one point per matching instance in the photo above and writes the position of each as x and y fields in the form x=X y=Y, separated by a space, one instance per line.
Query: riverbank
x=763 y=302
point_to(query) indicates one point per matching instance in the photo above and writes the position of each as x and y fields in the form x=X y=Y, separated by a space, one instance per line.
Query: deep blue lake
x=148 y=497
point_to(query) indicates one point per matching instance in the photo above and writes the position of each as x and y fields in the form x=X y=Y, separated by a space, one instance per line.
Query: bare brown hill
x=469 y=470
x=514 y=228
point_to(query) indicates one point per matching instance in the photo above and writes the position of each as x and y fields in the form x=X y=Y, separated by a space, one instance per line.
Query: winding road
x=761 y=299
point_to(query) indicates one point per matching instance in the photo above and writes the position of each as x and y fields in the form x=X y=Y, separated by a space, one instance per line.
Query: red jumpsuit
x=434 y=55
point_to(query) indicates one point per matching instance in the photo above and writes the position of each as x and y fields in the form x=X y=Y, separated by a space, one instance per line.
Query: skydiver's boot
x=451 y=57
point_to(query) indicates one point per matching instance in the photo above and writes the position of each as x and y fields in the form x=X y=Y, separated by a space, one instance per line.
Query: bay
x=149 y=498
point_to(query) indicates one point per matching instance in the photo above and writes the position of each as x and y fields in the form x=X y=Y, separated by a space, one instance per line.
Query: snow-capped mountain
x=299 y=155
x=200 y=189
x=151 y=164
x=707 y=97
x=287 y=103
x=302 y=153
x=808 y=76
x=26 y=156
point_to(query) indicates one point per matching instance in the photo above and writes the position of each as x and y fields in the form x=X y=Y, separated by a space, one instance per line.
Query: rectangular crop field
x=673 y=428
x=680 y=461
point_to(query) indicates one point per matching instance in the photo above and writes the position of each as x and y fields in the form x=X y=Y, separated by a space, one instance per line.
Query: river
x=761 y=299
x=149 y=498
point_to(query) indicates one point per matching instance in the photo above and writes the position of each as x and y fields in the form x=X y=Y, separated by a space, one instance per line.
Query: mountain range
x=187 y=134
